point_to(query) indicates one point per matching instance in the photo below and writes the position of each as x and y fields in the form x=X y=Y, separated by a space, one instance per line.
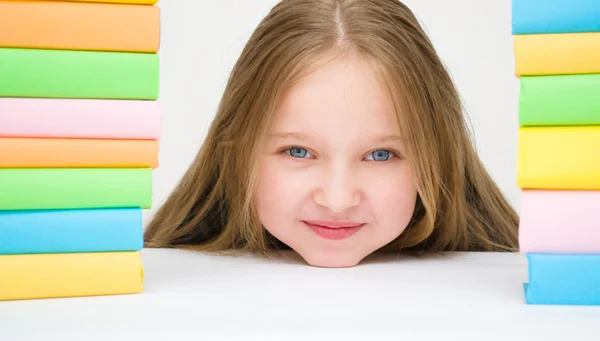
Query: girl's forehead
x=340 y=91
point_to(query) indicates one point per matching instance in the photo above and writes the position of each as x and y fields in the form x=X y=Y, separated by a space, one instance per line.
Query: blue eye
x=298 y=152
x=380 y=155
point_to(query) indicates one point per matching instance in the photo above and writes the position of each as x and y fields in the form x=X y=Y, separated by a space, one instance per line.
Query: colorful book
x=566 y=158
x=79 y=26
x=555 y=16
x=71 y=231
x=78 y=74
x=562 y=100
x=560 y=222
x=563 y=279
x=57 y=275
x=554 y=54
x=73 y=188
x=80 y=118
x=77 y=153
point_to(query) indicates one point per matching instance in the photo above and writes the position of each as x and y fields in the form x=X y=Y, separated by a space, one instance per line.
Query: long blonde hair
x=459 y=207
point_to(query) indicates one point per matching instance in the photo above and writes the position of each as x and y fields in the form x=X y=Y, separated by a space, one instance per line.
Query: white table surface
x=193 y=296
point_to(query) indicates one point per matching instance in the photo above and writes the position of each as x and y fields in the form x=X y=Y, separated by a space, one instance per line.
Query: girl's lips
x=339 y=232
x=333 y=224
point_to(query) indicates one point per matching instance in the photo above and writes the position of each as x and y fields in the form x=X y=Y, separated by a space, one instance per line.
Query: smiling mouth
x=333 y=231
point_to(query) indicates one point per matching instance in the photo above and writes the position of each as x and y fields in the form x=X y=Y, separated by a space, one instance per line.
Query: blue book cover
x=555 y=16
x=563 y=279
x=71 y=231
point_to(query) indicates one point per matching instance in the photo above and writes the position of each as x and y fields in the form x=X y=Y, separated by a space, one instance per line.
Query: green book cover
x=78 y=74
x=71 y=188
x=560 y=100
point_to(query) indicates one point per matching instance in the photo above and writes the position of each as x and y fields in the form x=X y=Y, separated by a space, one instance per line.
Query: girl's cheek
x=280 y=185
x=393 y=192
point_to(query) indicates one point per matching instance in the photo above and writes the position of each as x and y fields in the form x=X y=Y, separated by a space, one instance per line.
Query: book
x=555 y=16
x=79 y=26
x=78 y=74
x=566 y=158
x=77 y=153
x=80 y=118
x=554 y=54
x=559 y=100
x=71 y=231
x=36 y=276
x=563 y=279
x=559 y=222
x=134 y=2
x=71 y=188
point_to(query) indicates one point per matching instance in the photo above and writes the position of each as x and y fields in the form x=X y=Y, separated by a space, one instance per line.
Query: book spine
x=78 y=74
x=555 y=16
x=70 y=188
x=77 y=153
x=563 y=158
x=560 y=100
x=80 y=118
x=71 y=231
x=79 y=26
x=70 y=275
x=554 y=54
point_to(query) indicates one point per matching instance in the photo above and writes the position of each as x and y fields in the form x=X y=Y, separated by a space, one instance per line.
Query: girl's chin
x=331 y=259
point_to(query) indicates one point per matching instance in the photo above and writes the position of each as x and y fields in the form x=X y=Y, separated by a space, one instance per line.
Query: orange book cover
x=136 y=2
x=77 y=153
x=80 y=26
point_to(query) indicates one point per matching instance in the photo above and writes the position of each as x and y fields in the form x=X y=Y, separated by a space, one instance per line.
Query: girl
x=340 y=133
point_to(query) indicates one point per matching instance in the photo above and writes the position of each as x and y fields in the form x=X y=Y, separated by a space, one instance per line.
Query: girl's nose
x=338 y=191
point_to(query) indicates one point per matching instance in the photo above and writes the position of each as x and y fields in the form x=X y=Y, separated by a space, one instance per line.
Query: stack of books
x=79 y=136
x=557 y=54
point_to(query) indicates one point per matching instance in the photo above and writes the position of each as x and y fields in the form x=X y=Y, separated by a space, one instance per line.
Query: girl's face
x=334 y=184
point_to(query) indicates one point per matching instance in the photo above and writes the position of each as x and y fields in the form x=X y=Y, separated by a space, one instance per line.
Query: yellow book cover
x=566 y=158
x=34 y=276
x=555 y=54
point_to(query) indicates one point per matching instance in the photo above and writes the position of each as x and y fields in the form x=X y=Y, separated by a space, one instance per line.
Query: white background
x=201 y=40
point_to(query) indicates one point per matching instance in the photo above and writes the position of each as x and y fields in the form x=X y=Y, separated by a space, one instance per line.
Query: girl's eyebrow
x=298 y=136
x=304 y=137
x=388 y=138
